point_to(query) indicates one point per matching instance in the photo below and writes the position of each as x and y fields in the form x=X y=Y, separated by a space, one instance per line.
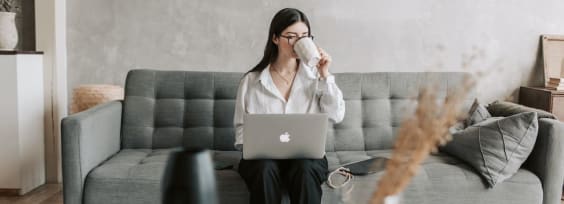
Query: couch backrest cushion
x=376 y=104
x=164 y=109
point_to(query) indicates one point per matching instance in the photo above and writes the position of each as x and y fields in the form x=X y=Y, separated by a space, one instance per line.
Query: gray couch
x=116 y=152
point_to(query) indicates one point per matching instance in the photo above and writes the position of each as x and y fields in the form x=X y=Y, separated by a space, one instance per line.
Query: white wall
x=106 y=38
x=51 y=38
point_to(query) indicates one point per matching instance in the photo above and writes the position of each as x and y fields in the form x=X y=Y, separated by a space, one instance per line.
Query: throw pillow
x=496 y=147
x=476 y=114
x=502 y=108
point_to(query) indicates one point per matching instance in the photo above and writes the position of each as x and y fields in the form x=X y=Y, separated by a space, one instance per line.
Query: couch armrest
x=546 y=160
x=88 y=138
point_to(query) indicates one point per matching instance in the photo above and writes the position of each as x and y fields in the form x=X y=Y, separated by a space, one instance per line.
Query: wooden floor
x=47 y=194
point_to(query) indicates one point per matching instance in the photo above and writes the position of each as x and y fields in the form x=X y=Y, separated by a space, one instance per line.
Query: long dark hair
x=284 y=18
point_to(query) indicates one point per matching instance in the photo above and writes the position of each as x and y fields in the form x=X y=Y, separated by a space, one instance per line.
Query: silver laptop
x=284 y=136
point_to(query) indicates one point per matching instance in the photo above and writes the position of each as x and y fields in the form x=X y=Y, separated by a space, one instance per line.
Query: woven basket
x=87 y=96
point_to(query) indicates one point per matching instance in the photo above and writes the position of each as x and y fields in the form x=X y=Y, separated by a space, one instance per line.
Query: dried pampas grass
x=420 y=135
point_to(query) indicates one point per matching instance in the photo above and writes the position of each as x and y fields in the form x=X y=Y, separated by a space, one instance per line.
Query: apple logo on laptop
x=285 y=137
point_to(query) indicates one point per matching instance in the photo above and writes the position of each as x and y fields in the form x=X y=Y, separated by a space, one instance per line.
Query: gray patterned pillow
x=477 y=113
x=496 y=147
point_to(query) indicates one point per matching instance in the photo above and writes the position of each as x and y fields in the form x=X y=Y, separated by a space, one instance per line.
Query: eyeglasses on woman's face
x=292 y=38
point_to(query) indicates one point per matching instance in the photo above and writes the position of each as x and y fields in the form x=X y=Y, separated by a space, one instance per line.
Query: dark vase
x=189 y=178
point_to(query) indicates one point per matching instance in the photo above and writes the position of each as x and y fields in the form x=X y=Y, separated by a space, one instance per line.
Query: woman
x=281 y=84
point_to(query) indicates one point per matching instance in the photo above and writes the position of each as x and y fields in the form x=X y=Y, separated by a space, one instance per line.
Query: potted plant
x=8 y=31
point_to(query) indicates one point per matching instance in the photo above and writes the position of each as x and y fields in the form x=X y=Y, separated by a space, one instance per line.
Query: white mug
x=307 y=51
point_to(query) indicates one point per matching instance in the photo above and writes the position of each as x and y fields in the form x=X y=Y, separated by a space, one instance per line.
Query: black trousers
x=302 y=178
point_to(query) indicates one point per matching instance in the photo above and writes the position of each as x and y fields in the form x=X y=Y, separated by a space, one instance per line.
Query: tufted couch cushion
x=165 y=109
x=176 y=108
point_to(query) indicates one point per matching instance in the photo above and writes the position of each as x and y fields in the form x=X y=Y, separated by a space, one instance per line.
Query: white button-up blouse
x=257 y=94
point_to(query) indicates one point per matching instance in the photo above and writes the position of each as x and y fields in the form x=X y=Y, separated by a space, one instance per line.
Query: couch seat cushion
x=441 y=179
x=134 y=176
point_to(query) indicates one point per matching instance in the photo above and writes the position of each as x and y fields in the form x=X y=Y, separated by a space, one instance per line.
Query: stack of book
x=555 y=84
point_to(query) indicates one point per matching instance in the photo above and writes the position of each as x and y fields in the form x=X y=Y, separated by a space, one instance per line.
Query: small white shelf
x=22 y=112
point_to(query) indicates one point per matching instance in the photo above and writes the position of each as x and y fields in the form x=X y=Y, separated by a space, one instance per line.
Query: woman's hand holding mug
x=313 y=55
x=324 y=62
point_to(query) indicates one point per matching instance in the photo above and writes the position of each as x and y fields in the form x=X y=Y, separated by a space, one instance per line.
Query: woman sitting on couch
x=279 y=84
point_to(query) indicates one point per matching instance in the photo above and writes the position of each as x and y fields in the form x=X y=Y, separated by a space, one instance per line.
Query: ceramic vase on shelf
x=8 y=31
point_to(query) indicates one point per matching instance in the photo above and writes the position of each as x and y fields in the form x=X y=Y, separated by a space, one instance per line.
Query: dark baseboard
x=9 y=192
